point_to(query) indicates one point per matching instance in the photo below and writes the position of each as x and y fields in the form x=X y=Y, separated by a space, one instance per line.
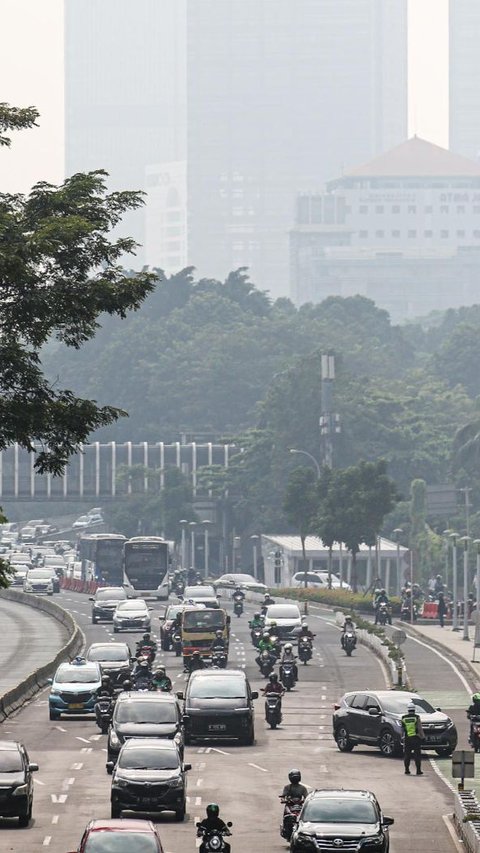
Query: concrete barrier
x=466 y=817
x=14 y=698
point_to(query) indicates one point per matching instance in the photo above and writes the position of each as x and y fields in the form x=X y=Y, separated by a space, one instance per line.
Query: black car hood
x=9 y=779
x=114 y=664
x=145 y=775
x=215 y=706
x=145 y=729
x=339 y=830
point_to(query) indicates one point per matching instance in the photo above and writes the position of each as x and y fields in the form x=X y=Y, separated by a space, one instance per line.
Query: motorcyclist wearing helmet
x=142 y=672
x=147 y=642
x=274 y=685
x=219 y=644
x=213 y=822
x=106 y=687
x=288 y=656
x=161 y=681
x=265 y=645
x=305 y=631
x=256 y=622
x=473 y=710
x=295 y=789
x=196 y=662
x=439 y=586
x=348 y=628
x=381 y=598
x=127 y=685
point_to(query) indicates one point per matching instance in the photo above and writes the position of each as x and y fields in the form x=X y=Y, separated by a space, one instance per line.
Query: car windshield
x=10 y=761
x=111 y=595
x=145 y=758
x=120 y=841
x=77 y=675
x=339 y=811
x=39 y=574
x=203 y=620
x=283 y=611
x=212 y=687
x=399 y=704
x=108 y=653
x=199 y=592
x=172 y=611
x=132 y=605
x=146 y=712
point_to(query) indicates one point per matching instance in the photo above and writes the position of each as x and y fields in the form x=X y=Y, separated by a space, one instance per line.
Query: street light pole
x=477 y=577
x=446 y=533
x=312 y=458
x=206 y=524
x=398 y=532
x=183 y=524
x=453 y=537
x=254 y=539
x=192 y=525
x=465 y=540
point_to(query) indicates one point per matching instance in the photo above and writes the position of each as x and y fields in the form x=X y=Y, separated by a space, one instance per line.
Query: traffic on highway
x=221 y=718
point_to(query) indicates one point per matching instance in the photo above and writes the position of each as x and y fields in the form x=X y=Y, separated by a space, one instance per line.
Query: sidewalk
x=452 y=644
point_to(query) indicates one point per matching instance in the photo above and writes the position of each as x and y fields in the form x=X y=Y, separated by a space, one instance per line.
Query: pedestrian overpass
x=93 y=472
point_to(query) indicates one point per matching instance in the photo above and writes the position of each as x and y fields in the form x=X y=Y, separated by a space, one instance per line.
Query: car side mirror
x=185 y=719
x=374 y=712
x=180 y=695
x=91 y=598
x=110 y=765
x=33 y=767
x=187 y=766
x=388 y=821
x=49 y=680
x=255 y=694
x=150 y=609
x=229 y=824
x=438 y=709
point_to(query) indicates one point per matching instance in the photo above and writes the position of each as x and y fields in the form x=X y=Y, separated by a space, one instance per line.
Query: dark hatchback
x=144 y=715
x=114 y=659
x=16 y=782
x=149 y=777
x=219 y=706
x=374 y=717
x=341 y=820
x=105 y=602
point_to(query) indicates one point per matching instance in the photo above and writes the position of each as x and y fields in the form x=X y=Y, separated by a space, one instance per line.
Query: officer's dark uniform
x=412 y=727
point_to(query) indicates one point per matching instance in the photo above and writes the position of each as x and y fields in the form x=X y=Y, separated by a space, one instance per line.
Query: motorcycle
x=266 y=663
x=287 y=675
x=293 y=807
x=305 y=649
x=219 y=658
x=177 y=644
x=474 y=738
x=237 y=606
x=406 y=612
x=147 y=652
x=273 y=709
x=277 y=645
x=349 y=642
x=383 y=614
x=256 y=636
x=103 y=712
x=213 y=839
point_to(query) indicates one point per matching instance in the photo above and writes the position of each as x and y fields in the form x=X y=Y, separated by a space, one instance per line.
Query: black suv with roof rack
x=349 y=821
x=374 y=717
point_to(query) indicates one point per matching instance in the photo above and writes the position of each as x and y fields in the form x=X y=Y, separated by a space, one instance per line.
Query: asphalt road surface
x=72 y=785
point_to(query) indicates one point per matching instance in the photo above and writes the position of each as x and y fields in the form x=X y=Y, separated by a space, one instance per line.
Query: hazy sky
x=31 y=72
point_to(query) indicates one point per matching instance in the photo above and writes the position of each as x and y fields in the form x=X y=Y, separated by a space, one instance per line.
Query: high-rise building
x=282 y=94
x=125 y=96
x=465 y=77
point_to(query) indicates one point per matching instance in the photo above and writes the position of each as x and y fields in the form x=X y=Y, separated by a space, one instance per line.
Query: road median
x=14 y=698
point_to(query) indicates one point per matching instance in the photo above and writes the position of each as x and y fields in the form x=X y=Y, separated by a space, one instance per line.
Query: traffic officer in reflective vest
x=413 y=734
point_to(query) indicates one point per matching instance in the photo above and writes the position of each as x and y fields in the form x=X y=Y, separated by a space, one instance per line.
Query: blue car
x=74 y=688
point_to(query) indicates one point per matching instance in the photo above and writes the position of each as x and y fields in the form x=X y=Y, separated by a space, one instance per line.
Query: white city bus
x=146 y=564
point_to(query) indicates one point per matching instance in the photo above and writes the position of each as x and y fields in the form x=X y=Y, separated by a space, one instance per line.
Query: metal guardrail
x=14 y=698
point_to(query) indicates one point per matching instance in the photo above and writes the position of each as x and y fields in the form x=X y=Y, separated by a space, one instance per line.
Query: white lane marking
x=95 y=737
x=83 y=739
x=46 y=840
x=220 y=751
x=68 y=782
x=61 y=798
x=198 y=801
x=199 y=765
x=257 y=767
x=199 y=782
x=60 y=729
x=38 y=782
x=201 y=749
x=457 y=672
x=77 y=766
x=55 y=818
x=87 y=748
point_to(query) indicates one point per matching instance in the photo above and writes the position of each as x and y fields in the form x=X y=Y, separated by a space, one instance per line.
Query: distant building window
x=444 y=208
x=363 y=235
x=429 y=208
x=412 y=208
x=396 y=208
x=412 y=234
x=460 y=208
x=379 y=208
x=396 y=234
x=363 y=208
x=461 y=235
x=428 y=234
x=380 y=234
x=444 y=235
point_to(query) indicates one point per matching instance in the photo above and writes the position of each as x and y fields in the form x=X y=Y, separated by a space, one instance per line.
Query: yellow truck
x=199 y=627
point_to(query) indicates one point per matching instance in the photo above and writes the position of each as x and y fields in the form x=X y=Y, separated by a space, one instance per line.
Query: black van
x=219 y=706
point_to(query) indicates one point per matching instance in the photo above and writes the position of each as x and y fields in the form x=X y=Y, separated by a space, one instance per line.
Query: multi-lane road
x=72 y=785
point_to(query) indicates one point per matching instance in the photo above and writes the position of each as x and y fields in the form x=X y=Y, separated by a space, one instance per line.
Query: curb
x=17 y=696
x=460 y=661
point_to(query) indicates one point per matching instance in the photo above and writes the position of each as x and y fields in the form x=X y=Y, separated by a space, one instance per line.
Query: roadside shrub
x=341 y=598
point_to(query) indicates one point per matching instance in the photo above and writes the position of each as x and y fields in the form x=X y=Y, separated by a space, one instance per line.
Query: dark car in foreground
x=149 y=777
x=144 y=715
x=219 y=706
x=341 y=820
x=374 y=718
x=122 y=836
x=105 y=602
x=16 y=782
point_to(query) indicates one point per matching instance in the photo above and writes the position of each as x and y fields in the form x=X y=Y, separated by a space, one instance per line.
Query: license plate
x=217 y=727
x=435 y=738
x=76 y=705
x=147 y=800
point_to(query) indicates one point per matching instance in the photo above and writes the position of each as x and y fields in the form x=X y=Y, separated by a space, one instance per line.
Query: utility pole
x=329 y=420
x=466 y=491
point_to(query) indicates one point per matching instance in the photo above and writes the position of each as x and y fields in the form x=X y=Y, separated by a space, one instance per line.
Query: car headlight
x=113 y=738
x=55 y=691
x=374 y=841
x=397 y=723
x=21 y=791
x=121 y=783
x=450 y=724
x=177 y=782
x=178 y=738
